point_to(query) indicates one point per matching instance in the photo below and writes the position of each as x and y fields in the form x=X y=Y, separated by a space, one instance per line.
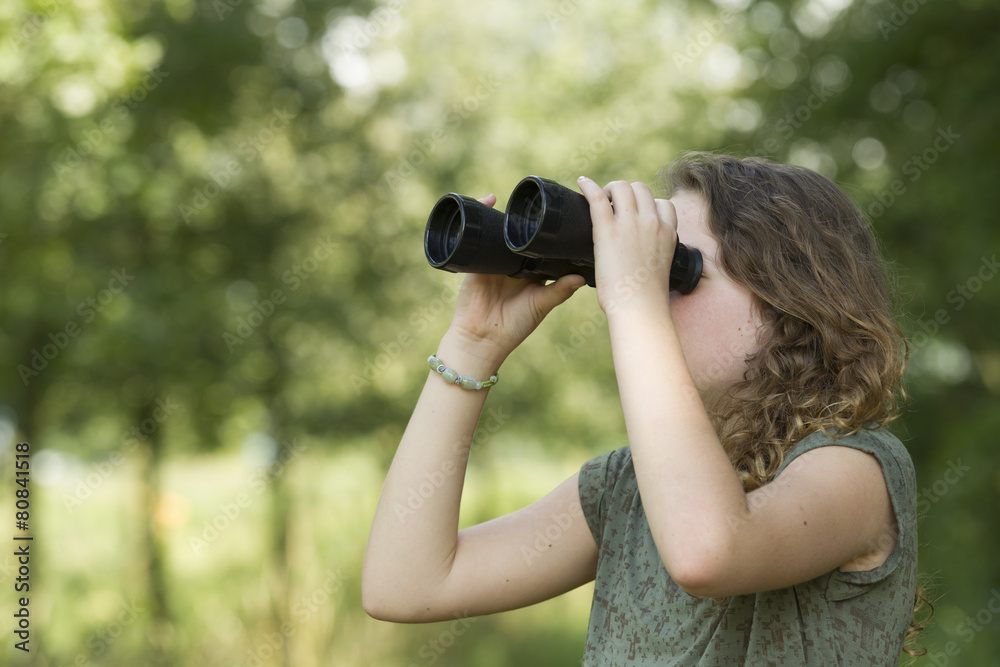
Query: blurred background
x=215 y=310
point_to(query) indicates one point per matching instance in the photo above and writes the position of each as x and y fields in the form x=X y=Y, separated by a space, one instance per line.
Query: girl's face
x=716 y=323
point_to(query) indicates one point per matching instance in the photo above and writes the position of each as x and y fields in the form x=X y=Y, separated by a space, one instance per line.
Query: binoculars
x=545 y=233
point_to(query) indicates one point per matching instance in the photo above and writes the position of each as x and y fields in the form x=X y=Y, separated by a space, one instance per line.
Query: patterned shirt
x=639 y=616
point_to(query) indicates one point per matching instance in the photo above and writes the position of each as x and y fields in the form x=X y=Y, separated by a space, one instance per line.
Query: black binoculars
x=545 y=233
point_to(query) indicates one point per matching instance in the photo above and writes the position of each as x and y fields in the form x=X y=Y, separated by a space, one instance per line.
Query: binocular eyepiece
x=545 y=233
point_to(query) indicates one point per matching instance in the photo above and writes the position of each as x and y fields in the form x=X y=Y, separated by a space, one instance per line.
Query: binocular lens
x=446 y=229
x=447 y=223
x=527 y=206
x=547 y=220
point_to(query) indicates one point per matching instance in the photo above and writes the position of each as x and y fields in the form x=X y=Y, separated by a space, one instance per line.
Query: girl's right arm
x=418 y=566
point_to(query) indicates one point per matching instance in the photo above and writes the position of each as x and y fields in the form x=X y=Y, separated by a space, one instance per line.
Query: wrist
x=477 y=358
x=630 y=303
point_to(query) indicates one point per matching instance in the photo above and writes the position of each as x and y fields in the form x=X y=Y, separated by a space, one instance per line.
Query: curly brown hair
x=831 y=357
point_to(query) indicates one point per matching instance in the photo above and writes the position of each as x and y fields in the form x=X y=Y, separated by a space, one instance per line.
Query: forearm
x=414 y=533
x=688 y=486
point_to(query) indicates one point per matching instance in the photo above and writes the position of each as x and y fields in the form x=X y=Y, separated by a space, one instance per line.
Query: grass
x=90 y=603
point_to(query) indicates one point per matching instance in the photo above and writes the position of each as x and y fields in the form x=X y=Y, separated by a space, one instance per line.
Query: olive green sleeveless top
x=639 y=616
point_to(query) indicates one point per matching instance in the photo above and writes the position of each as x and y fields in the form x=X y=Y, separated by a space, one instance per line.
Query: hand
x=634 y=240
x=496 y=313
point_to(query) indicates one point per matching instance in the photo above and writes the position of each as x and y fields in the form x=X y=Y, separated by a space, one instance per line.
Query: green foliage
x=211 y=221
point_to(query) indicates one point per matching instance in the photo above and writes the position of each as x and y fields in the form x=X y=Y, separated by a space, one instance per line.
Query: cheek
x=717 y=332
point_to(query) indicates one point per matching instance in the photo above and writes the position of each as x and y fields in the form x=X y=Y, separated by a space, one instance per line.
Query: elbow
x=386 y=608
x=374 y=598
x=372 y=603
x=699 y=580
x=703 y=570
x=381 y=607
x=386 y=600
x=381 y=612
x=379 y=602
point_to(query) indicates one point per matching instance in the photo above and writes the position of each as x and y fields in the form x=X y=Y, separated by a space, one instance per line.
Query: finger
x=622 y=197
x=489 y=200
x=600 y=203
x=667 y=213
x=645 y=204
x=556 y=293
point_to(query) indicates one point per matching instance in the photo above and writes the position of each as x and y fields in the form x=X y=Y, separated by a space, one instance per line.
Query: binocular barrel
x=545 y=233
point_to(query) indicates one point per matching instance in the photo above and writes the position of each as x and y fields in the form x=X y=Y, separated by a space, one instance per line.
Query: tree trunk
x=280 y=580
x=161 y=630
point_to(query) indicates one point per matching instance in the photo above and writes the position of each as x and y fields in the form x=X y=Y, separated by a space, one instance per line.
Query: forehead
x=692 y=222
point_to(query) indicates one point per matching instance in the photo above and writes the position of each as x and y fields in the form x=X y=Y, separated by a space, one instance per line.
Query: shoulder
x=602 y=479
x=887 y=457
x=869 y=461
x=886 y=448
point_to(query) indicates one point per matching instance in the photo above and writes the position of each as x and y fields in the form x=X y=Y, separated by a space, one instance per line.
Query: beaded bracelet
x=451 y=376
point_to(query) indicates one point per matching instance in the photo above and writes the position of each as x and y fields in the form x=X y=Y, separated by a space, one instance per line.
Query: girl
x=761 y=514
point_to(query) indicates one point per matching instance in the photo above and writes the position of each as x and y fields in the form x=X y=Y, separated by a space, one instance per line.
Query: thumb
x=556 y=293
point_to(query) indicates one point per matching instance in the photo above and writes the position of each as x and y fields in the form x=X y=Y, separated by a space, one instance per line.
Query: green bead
x=467 y=382
x=449 y=374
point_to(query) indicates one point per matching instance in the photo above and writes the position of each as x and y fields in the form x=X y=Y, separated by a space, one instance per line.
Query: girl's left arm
x=828 y=508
